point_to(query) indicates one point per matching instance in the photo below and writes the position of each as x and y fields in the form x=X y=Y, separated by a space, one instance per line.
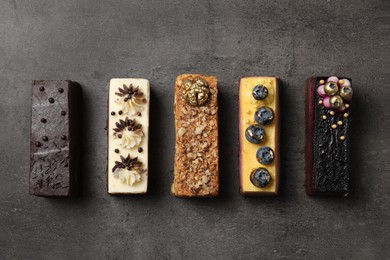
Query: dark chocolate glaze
x=53 y=165
x=327 y=173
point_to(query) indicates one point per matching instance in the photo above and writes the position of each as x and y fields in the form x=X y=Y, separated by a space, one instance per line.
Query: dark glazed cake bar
x=328 y=108
x=54 y=140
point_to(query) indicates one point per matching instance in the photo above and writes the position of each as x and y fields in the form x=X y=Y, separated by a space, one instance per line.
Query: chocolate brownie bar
x=54 y=140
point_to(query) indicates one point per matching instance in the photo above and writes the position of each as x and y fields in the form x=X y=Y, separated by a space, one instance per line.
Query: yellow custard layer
x=248 y=106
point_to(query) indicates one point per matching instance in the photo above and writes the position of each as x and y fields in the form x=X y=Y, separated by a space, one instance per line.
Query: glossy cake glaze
x=327 y=136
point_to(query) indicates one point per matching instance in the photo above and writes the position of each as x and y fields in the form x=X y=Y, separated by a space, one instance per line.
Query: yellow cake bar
x=259 y=123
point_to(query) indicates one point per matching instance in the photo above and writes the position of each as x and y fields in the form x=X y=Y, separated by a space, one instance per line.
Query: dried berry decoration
x=260 y=177
x=195 y=91
x=331 y=88
x=264 y=115
x=255 y=134
x=129 y=164
x=265 y=155
x=346 y=93
x=337 y=95
x=336 y=102
x=260 y=92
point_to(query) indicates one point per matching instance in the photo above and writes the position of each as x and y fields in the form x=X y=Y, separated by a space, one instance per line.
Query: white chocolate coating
x=128 y=182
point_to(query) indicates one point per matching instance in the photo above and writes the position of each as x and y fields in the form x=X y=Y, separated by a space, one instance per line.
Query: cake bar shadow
x=85 y=129
x=228 y=157
x=156 y=140
x=357 y=149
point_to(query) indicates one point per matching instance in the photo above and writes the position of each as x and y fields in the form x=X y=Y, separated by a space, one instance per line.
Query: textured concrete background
x=93 y=41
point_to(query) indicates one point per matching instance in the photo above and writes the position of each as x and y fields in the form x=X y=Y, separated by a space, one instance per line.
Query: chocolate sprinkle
x=45 y=138
x=113 y=113
x=116 y=150
x=140 y=149
x=129 y=164
x=63 y=113
x=139 y=114
x=131 y=93
x=128 y=124
x=120 y=112
x=61 y=90
x=119 y=136
x=51 y=100
x=54 y=170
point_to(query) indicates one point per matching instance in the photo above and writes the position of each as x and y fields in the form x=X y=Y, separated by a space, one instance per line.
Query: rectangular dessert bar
x=259 y=124
x=55 y=138
x=328 y=108
x=128 y=136
x=196 y=120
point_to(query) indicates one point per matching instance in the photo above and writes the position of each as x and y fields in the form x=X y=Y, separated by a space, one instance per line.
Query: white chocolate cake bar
x=128 y=134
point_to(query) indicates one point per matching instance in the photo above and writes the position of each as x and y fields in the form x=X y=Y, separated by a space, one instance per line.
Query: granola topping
x=196 y=166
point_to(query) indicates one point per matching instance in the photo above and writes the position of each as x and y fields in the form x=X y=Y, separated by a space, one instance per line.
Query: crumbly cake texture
x=196 y=158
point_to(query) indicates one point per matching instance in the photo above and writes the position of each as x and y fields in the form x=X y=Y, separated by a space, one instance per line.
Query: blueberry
x=260 y=92
x=264 y=115
x=255 y=134
x=265 y=155
x=260 y=177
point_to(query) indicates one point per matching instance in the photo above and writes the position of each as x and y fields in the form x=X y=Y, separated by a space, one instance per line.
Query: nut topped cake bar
x=196 y=120
x=128 y=132
x=328 y=118
x=259 y=124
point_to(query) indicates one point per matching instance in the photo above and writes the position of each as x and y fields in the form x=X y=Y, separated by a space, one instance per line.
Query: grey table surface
x=93 y=41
